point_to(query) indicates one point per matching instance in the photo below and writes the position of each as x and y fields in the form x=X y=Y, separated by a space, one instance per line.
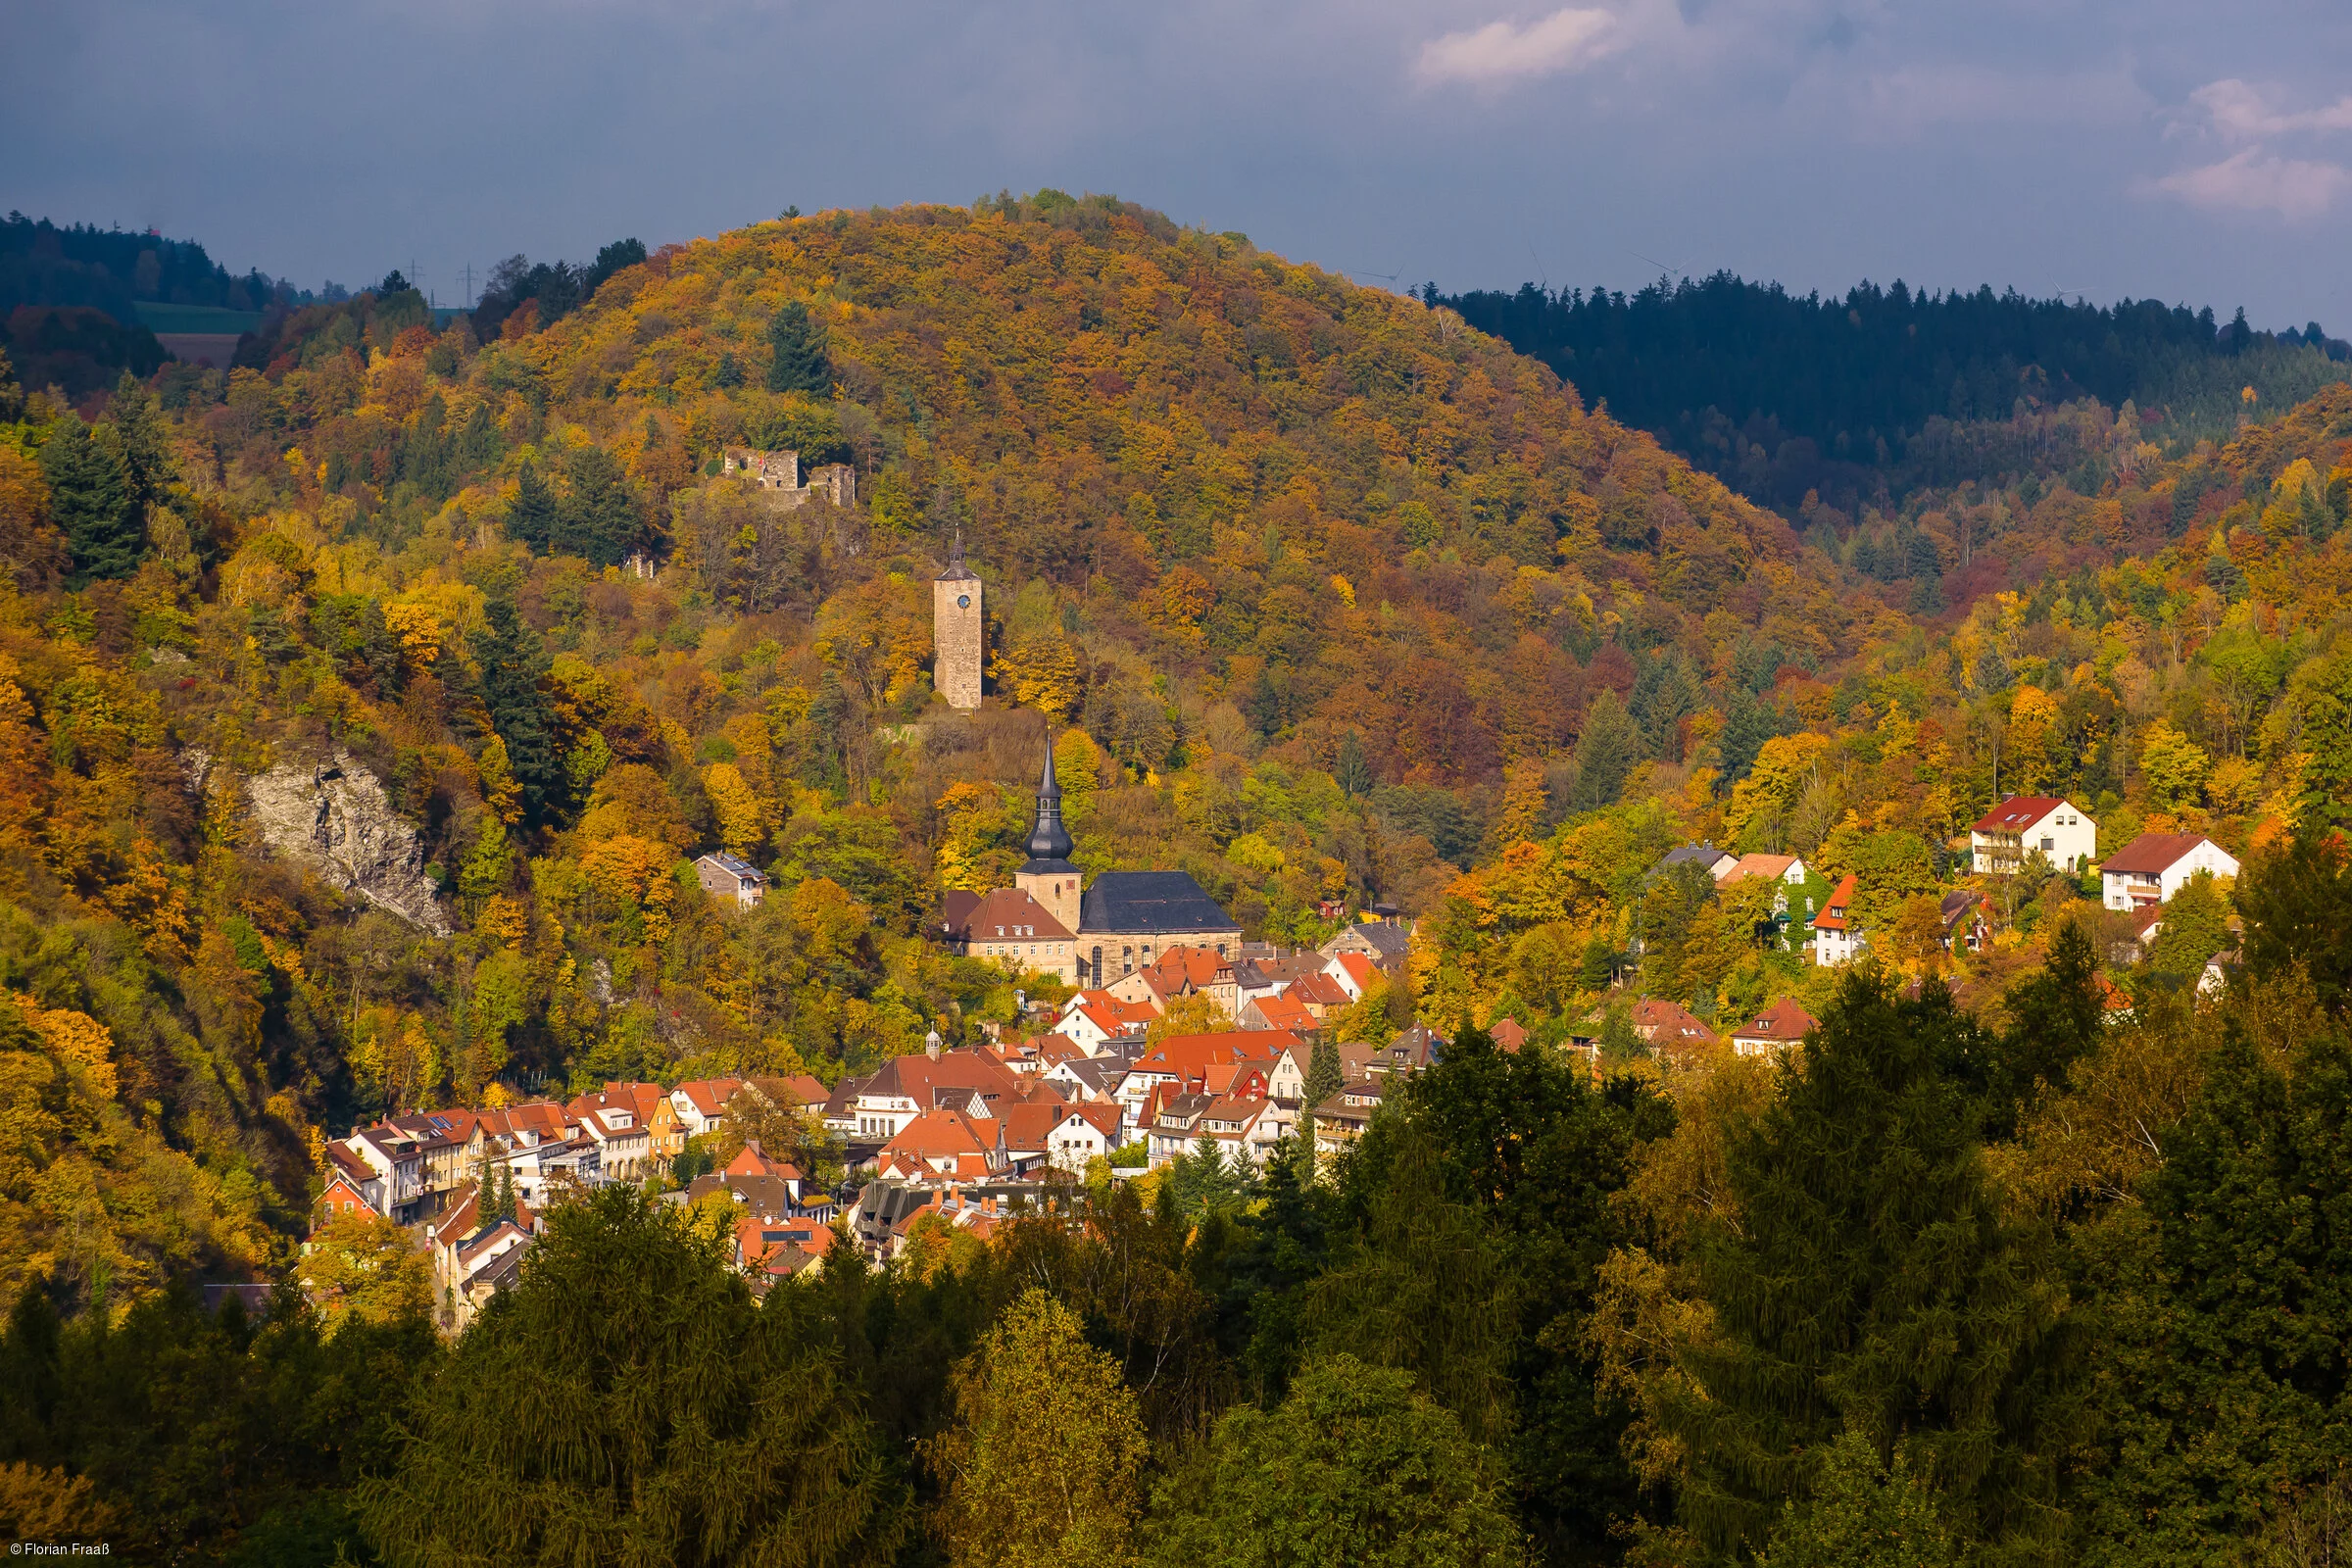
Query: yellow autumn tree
x=964 y=809
x=742 y=819
x=1042 y=675
x=2172 y=766
x=1761 y=801
x=1523 y=802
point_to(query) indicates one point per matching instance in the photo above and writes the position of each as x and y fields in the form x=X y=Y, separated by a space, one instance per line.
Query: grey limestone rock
x=333 y=816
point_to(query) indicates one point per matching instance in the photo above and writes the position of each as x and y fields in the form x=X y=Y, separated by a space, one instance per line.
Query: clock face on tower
x=963 y=600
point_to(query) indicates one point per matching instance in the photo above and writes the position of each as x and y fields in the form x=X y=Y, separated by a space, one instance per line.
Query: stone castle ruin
x=778 y=478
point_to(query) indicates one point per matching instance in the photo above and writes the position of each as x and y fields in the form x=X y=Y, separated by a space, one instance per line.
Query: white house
x=2152 y=867
x=2027 y=824
x=1836 y=940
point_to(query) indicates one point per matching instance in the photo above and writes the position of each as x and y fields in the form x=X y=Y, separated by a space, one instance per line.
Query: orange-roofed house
x=1774 y=1030
x=1285 y=1013
x=1353 y=971
x=2023 y=825
x=1323 y=995
x=1787 y=869
x=1190 y=1061
x=1837 y=937
x=702 y=1104
x=1062 y=1137
x=1095 y=1018
x=944 y=1146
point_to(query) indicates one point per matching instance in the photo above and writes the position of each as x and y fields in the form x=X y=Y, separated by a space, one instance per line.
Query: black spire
x=1049 y=840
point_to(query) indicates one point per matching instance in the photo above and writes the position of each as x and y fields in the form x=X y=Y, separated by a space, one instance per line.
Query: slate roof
x=1151 y=901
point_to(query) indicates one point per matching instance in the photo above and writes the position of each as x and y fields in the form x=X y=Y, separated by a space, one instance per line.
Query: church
x=1090 y=935
x=1046 y=921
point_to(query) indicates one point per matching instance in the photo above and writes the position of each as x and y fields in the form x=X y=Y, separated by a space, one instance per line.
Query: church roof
x=1151 y=901
x=1048 y=843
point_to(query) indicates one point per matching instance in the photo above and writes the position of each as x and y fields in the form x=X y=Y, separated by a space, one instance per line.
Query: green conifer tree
x=1873 y=1285
x=92 y=500
x=531 y=518
x=1353 y=772
x=796 y=347
x=146 y=441
x=511 y=660
x=689 y=1424
x=597 y=519
x=1323 y=1072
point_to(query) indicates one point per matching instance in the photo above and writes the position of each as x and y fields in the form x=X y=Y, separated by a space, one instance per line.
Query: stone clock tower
x=955 y=632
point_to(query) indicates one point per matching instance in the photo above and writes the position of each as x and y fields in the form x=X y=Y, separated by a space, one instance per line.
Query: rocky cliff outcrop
x=333 y=816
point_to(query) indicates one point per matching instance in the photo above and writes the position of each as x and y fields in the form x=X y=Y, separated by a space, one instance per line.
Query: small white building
x=2152 y=867
x=2023 y=825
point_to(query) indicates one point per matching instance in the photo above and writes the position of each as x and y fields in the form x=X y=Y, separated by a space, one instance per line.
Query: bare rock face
x=334 y=818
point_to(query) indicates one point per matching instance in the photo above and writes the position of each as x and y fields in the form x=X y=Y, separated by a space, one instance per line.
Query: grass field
x=205 y=319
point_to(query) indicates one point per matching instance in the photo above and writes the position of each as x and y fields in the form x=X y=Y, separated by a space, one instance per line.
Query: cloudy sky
x=2194 y=151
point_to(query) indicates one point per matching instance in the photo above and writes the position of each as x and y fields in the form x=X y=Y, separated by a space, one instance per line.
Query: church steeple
x=1049 y=840
x=1047 y=877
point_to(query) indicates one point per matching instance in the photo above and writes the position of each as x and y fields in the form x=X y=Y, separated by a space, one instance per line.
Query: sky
x=2197 y=153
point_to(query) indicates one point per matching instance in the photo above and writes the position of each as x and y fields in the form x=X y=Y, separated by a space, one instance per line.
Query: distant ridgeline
x=1868 y=398
x=81 y=304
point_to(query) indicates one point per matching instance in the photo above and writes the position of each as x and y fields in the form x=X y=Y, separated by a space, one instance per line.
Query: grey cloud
x=1811 y=140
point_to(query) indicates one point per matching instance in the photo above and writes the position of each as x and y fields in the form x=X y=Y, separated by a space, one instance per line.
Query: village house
x=878 y=1108
x=944 y=1146
x=1352 y=971
x=1244 y=1128
x=1381 y=939
x=700 y=1105
x=1203 y=1063
x=1007 y=927
x=1342 y=1118
x=2154 y=866
x=1785 y=869
x=1669 y=1028
x=1836 y=938
x=2001 y=841
x=1706 y=857
x=726 y=877
x=1059 y=1137
x=1775 y=1030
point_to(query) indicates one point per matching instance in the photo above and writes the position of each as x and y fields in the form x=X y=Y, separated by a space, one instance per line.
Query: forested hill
x=364 y=708
x=1866 y=396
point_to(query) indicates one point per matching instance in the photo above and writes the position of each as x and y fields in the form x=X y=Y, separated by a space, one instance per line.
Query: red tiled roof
x=2017 y=813
x=1833 y=913
x=1286 y=1012
x=1783 y=1022
x=1010 y=914
x=2153 y=854
x=1669 y=1023
x=1765 y=865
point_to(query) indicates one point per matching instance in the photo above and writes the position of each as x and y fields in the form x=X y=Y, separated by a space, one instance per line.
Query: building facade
x=2025 y=825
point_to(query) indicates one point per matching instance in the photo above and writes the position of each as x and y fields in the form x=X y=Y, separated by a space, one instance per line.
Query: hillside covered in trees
x=1867 y=397
x=1330 y=598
